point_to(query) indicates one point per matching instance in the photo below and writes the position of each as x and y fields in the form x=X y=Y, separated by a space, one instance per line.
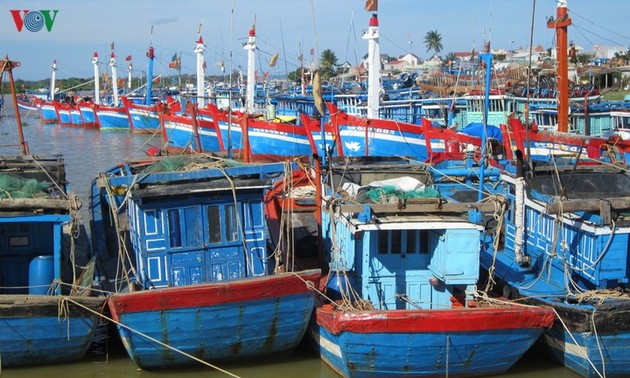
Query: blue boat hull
x=109 y=120
x=217 y=321
x=466 y=347
x=48 y=113
x=144 y=121
x=38 y=333
x=182 y=135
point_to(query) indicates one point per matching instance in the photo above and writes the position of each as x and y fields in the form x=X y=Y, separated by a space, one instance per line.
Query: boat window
x=231 y=227
x=396 y=241
x=183 y=227
x=406 y=242
x=174 y=231
x=192 y=227
x=412 y=241
x=383 y=242
x=214 y=224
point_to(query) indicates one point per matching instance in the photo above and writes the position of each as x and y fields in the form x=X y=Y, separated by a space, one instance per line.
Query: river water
x=88 y=152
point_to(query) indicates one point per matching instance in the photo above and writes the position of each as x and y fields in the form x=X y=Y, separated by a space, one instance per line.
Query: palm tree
x=328 y=63
x=433 y=41
x=449 y=60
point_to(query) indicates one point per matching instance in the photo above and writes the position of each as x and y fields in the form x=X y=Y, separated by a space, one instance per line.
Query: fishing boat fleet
x=394 y=242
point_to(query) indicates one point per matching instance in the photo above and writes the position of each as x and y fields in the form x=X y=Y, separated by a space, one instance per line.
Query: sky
x=287 y=27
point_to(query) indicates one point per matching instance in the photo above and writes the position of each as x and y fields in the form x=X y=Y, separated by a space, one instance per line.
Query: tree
x=433 y=41
x=449 y=60
x=328 y=63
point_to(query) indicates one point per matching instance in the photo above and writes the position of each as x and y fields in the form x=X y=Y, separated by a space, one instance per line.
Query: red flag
x=371 y=5
x=128 y=58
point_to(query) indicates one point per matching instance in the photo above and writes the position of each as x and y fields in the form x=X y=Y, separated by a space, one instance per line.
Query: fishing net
x=186 y=163
x=17 y=187
x=394 y=191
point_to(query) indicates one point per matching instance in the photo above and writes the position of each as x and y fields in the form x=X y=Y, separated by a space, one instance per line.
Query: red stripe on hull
x=453 y=320
x=215 y=293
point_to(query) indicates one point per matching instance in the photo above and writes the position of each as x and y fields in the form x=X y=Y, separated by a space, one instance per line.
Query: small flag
x=371 y=5
x=174 y=58
x=176 y=64
x=128 y=58
x=273 y=60
x=112 y=46
x=312 y=51
x=300 y=57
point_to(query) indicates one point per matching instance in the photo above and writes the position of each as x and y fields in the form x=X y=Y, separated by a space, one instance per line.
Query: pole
x=8 y=67
x=561 y=23
x=487 y=59
x=151 y=56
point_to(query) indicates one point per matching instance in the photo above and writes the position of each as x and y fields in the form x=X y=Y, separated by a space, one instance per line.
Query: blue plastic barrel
x=40 y=274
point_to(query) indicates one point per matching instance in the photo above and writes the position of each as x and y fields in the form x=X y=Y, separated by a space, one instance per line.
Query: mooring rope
x=153 y=339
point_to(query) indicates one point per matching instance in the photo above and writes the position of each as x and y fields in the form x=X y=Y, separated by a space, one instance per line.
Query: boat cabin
x=34 y=211
x=200 y=226
x=393 y=239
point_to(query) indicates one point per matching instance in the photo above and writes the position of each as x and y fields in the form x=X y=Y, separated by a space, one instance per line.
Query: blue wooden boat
x=204 y=287
x=143 y=119
x=195 y=129
x=403 y=268
x=46 y=110
x=111 y=117
x=87 y=113
x=42 y=318
x=566 y=246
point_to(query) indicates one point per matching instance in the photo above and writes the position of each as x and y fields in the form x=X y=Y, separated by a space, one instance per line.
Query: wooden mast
x=7 y=66
x=561 y=23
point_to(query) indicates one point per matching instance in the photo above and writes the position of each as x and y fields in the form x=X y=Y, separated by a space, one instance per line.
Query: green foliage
x=433 y=41
x=328 y=63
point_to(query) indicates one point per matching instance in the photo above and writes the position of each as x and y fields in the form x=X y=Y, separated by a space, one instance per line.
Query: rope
x=576 y=343
x=123 y=253
x=237 y=210
x=151 y=338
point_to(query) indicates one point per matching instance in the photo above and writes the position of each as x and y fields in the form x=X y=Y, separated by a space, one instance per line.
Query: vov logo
x=34 y=21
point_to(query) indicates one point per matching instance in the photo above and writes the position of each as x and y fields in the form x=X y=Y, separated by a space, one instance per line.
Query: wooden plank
x=446 y=207
x=592 y=205
x=33 y=204
x=173 y=189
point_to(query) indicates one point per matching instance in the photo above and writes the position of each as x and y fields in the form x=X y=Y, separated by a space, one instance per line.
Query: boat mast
x=487 y=59
x=250 y=46
x=201 y=96
x=374 y=68
x=7 y=66
x=112 y=64
x=53 y=78
x=97 y=78
x=561 y=23
x=151 y=56
x=129 y=69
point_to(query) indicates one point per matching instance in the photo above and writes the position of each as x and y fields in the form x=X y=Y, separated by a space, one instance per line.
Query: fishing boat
x=203 y=287
x=110 y=117
x=401 y=291
x=143 y=119
x=107 y=116
x=63 y=110
x=561 y=239
x=46 y=312
x=86 y=110
x=46 y=110
x=191 y=129
x=26 y=102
